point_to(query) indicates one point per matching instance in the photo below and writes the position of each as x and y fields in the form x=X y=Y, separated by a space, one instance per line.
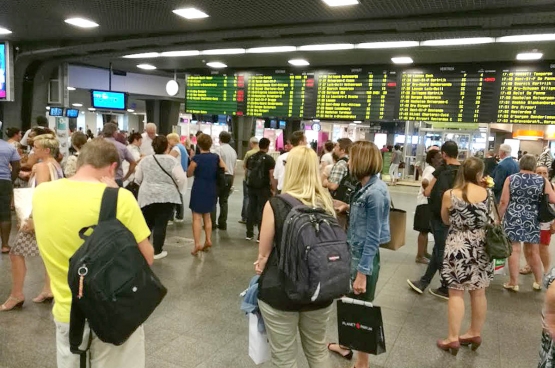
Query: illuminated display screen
x=109 y=100
x=214 y=94
x=72 y=113
x=356 y=96
x=56 y=111
x=447 y=96
x=3 y=68
x=527 y=97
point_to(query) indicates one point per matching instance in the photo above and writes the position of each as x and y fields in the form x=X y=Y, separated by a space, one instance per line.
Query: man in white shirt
x=148 y=137
x=229 y=157
x=297 y=139
x=327 y=158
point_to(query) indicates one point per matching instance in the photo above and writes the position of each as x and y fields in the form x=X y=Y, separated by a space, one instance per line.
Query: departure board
x=214 y=94
x=527 y=97
x=278 y=94
x=447 y=96
x=357 y=95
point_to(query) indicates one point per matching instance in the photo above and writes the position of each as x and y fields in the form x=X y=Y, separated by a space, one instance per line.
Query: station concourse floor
x=199 y=323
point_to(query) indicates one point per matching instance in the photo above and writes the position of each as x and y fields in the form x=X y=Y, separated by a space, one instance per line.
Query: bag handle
x=171 y=177
x=347 y=300
x=109 y=205
x=496 y=210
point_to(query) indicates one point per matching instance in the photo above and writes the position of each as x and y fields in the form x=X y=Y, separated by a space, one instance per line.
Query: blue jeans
x=244 y=210
x=439 y=229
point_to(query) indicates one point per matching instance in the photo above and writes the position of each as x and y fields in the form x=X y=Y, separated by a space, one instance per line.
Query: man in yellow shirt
x=60 y=209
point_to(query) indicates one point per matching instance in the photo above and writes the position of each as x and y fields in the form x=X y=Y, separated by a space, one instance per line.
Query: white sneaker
x=170 y=223
x=178 y=221
x=162 y=254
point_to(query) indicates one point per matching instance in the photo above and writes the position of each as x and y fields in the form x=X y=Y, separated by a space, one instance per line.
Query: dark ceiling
x=133 y=26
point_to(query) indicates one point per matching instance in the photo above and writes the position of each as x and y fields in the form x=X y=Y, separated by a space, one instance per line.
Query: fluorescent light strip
x=77 y=104
x=190 y=13
x=458 y=41
x=402 y=60
x=71 y=88
x=299 y=62
x=81 y=22
x=529 y=56
x=180 y=53
x=223 y=52
x=146 y=67
x=4 y=31
x=216 y=65
x=528 y=38
x=144 y=55
x=271 y=49
x=387 y=45
x=336 y=3
x=328 y=47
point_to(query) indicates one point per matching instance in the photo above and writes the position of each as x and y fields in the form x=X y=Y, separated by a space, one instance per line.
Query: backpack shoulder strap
x=290 y=200
x=109 y=206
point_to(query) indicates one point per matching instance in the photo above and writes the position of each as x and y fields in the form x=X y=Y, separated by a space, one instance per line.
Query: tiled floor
x=199 y=324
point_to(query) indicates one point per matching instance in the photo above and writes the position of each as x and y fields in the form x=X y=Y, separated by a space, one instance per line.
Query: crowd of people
x=454 y=203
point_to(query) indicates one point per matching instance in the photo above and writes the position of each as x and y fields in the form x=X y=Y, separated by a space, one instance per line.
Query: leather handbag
x=397 y=228
x=546 y=212
x=498 y=245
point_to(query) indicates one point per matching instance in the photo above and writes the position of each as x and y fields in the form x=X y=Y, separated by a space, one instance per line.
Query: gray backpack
x=315 y=260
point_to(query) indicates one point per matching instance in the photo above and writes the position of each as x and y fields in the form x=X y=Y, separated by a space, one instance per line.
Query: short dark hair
x=451 y=149
x=397 y=147
x=42 y=121
x=160 y=144
x=78 y=140
x=133 y=137
x=204 y=141
x=328 y=146
x=345 y=144
x=225 y=137
x=199 y=132
x=11 y=132
x=264 y=143
x=430 y=155
x=296 y=138
x=109 y=130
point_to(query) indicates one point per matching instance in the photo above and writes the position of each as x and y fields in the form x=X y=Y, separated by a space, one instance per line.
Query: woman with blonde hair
x=46 y=148
x=369 y=227
x=282 y=316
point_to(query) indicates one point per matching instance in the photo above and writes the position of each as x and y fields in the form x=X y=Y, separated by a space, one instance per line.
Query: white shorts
x=101 y=355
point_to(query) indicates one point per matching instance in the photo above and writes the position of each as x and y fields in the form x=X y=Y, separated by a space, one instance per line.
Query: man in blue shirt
x=9 y=170
x=506 y=167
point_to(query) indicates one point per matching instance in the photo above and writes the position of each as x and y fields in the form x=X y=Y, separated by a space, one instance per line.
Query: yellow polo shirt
x=60 y=209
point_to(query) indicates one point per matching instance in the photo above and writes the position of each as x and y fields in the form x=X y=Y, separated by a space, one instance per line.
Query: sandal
x=349 y=356
x=196 y=250
x=43 y=298
x=18 y=304
x=526 y=270
x=206 y=247
x=6 y=250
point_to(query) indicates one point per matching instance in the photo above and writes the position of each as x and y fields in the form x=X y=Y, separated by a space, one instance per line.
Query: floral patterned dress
x=466 y=265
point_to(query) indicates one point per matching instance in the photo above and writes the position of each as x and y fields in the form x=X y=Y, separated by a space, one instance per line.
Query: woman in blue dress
x=204 y=167
x=519 y=208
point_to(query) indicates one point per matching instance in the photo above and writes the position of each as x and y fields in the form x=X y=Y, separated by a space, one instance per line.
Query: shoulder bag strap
x=109 y=205
x=290 y=200
x=171 y=177
x=495 y=209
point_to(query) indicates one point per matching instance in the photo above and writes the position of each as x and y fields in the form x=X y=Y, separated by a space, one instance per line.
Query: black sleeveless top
x=270 y=289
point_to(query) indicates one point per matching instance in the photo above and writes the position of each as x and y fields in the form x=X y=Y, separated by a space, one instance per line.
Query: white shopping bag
x=499 y=266
x=259 y=348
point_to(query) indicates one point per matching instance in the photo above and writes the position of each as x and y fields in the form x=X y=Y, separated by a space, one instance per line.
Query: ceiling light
x=144 y=55
x=299 y=62
x=357 y=122
x=91 y=109
x=402 y=60
x=458 y=41
x=271 y=49
x=329 y=47
x=387 y=45
x=81 y=22
x=180 y=53
x=146 y=66
x=216 y=65
x=130 y=110
x=190 y=13
x=47 y=107
x=335 y=3
x=71 y=88
x=528 y=38
x=77 y=104
x=4 y=31
x=223 y=52
x=529 y=56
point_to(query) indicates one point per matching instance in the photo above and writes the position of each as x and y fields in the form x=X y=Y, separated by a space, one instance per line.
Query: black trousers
x=257 y=200
x=223 y=196
x=157 y=216
x=439 y=229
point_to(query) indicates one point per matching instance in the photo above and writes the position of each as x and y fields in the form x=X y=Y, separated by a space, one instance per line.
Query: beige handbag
x=397 y=228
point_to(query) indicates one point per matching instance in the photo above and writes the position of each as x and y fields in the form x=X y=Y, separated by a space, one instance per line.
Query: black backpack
x=347 y=186
x=315 y=260
x=113 y=288
x=257 y=177
x=444 y=182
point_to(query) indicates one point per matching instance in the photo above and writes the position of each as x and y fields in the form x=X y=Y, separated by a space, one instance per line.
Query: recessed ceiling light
x=180 y=53
x=71 y=88
x=47 y=107
x=91 y=109
x=216 y=65
x=77 y=104
x=146 y=66
x=357 y=122
x=341 y=2
x=190 y=13
x=387 y=45
x=81 y=22
x=402 y=60
x=458 y=41
x=529 y=56
x=329 y=47
x=144 y=55
x=4 y=31
x=130 y=110
x=271 y=49
x=528 y=38
x=299 y=62
x=223 y=52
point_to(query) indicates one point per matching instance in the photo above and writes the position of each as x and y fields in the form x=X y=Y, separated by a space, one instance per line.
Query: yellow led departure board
x=276 y=95
x=212 y=94
x=527 y=97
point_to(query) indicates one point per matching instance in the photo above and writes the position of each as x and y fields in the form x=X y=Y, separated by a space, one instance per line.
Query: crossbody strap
x=171 y=177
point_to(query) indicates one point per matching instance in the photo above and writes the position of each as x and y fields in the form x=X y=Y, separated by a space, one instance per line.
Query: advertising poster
x=2 y=70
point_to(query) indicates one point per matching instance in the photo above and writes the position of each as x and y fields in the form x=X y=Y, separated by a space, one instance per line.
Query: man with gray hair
x=506 y=167
x=253 y=145
x=148 y=137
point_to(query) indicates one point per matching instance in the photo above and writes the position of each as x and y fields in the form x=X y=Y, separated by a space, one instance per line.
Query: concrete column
x=242 y=127
x=163 y=113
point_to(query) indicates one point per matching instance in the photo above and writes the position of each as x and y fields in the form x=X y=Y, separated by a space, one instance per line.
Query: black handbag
x=360 y=326
x=546 y=212
x=133 y=188
x=498 y=245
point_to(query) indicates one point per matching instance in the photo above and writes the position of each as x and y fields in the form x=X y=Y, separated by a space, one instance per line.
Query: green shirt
x=249 y=154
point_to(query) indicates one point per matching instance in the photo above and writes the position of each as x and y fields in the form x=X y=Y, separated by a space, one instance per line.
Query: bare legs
x=422 y=245
x=514 y=263
x=479 y=307
x=19 y=270
x=545 y=257
x=455 y=308
x=207 y=230
x=532 y=254
x=197 y=229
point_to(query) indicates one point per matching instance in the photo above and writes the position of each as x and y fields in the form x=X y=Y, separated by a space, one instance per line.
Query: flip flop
x=526 y=270
x=349 y=356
